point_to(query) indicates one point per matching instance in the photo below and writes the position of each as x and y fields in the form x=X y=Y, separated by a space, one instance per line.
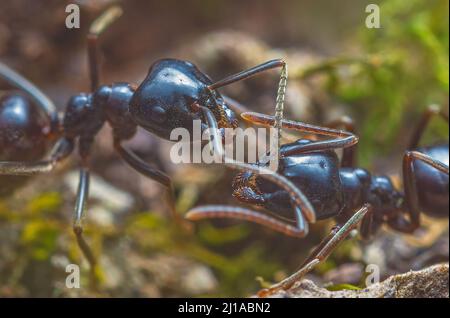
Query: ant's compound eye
x=159 y=114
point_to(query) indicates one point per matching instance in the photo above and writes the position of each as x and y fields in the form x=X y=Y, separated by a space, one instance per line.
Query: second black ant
x=339 y=190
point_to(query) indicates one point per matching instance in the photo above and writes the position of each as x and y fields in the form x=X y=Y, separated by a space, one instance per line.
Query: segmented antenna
x=279 y=109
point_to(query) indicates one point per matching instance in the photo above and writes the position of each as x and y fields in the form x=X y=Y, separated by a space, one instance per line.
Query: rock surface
x=431 y=282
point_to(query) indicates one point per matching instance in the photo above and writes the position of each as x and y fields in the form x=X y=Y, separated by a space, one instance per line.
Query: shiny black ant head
x=25 y=128
x=169 y=95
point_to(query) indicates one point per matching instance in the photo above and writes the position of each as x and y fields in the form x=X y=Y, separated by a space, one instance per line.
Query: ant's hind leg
x=431 y=111
x=399 y=222
x=142 y=167
x=325 y=248
x=82 y=195
x=84 y=148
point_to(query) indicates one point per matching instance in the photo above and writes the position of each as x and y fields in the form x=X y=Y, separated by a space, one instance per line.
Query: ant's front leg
x=142 y=167
x=82 y=195
x=342 y=138
x=349 y=158
x=84 y=145
x=398 y=222
x=300 y=230
x=321 y=253
x=431 y=111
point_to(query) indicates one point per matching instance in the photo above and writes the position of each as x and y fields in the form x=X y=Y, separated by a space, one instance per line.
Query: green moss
x=400 y=69
x=49 y=202
x=342 y=287
x=39 y=237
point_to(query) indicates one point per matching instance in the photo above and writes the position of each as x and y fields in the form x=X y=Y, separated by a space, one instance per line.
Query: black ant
x=174 y=94
x=350 y=194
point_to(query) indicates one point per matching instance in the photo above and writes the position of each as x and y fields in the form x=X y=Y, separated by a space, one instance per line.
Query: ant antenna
x=279 y=107
x=96 y=28
x=247 y=73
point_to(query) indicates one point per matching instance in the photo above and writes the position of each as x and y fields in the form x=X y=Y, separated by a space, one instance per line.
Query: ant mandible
x=342 y=190
x=174 y=94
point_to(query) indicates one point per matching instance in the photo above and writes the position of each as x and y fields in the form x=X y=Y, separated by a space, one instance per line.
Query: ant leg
x=399 y=223
x=344 y=138
x=298 y=198
x=322 y=252
x=366 y=230
x=142 y=167
x=349 y=159
x=321 y=245
x=96 y=28
x=23 y=168
x=84 y=148
x=224 y=211
x=82 y=195
x=431 y=111
x=21 y=83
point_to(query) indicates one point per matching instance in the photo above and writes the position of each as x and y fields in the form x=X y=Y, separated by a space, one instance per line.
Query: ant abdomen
x=432 y=184
x=25 y=129
x=25 y=135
